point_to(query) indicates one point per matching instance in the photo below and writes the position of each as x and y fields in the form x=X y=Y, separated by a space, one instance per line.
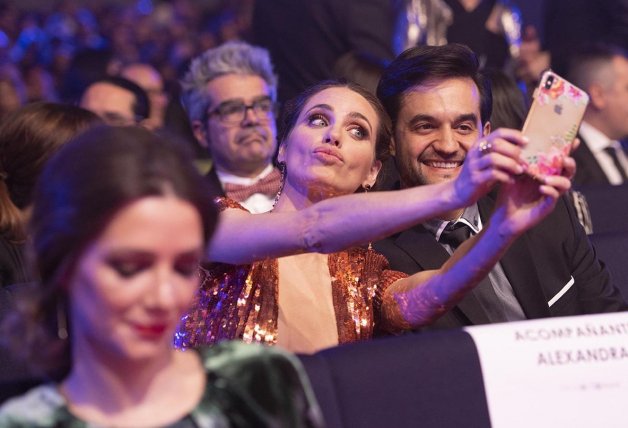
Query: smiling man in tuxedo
x=440 y=105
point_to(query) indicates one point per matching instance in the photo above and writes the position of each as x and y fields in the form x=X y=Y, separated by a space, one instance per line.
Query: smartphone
x=552 y=124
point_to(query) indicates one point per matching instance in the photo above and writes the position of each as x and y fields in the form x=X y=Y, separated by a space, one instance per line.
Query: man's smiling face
x=438 y=121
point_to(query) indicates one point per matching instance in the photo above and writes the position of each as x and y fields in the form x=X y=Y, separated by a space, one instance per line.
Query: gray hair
x=228 y=58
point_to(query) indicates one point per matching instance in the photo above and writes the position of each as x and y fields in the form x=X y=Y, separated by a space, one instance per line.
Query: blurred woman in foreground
x=120 y=222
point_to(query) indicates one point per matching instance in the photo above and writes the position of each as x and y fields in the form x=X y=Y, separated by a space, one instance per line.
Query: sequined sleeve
x=216 y=312
x=224 y=203
x=214 y=315
x=386 y=279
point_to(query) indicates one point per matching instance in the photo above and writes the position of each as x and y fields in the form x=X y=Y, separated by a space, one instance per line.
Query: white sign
x=556 y=372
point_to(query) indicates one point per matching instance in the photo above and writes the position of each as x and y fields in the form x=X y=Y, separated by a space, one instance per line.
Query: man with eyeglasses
x=229 y=93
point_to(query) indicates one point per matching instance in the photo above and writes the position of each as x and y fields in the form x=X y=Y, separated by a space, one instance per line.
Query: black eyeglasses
x=233 y=112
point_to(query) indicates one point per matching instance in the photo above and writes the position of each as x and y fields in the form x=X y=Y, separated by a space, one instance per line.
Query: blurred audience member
x=78 y=44
x=360 y=69
x=40 y=85
x=12 y=89
x=149 y=79
x=568 y=25
x=229 y=93
x=509 y=104
x=85 y=68
x=120 y=222
x=28 y=138
x=118 y=101
x=491 y=28
x=602 y=71
x=320 y=33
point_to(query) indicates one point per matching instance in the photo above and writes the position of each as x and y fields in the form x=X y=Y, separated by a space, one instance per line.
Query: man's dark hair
x=141 y=105
x=422 y=64
x=86 y=67
x=586 y=62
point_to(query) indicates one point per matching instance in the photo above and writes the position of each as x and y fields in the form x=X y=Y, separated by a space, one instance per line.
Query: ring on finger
x=485 y=147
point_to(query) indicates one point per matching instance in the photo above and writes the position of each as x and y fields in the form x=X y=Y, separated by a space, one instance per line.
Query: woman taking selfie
x=120 y=222
x=301 y=277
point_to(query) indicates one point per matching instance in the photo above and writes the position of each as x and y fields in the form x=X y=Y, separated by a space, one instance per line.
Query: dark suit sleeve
x=595 y=290
x=397 y=258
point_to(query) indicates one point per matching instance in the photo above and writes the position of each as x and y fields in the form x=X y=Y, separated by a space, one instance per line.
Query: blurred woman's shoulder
x=42 y=406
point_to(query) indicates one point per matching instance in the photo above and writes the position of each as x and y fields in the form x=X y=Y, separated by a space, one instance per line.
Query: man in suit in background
x=118 y=101
x=229 y=93
x=440 y=105
x=602 y=71
x=149 y=79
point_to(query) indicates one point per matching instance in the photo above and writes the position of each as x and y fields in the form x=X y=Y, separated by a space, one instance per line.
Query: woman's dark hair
x=28 y=138
x=81 y=189
x=292 y=109
x=421 y=64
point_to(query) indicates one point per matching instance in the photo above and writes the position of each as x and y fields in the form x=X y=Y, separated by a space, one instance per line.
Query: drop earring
x=282 y=182
x=62 y=321
x=366 y=188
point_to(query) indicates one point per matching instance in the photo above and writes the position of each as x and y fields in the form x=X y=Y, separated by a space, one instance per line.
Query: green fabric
x=247 y=386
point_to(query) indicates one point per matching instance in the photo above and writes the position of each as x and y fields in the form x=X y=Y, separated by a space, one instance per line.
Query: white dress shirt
x=596 y=141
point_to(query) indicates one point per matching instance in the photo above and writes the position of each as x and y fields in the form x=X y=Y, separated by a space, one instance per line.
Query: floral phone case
x=552 y=124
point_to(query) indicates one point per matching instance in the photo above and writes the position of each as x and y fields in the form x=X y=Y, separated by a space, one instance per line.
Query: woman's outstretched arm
x=340 y=222
x=420 y=299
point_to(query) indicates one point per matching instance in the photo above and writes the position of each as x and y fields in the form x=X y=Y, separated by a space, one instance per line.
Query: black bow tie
x=456 y=234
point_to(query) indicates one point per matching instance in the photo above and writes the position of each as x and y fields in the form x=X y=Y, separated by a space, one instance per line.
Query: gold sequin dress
x=241 y=301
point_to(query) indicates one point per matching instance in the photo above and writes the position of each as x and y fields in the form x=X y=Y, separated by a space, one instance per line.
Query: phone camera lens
x=549 y=81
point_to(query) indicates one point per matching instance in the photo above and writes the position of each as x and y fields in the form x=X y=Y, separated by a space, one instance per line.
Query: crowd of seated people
x=131 y=275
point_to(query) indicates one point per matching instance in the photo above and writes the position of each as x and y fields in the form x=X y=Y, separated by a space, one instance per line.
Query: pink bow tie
x=268 y=186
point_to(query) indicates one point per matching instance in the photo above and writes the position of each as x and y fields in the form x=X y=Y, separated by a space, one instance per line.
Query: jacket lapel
x=215 y=186
x=521 y=271
x=421 y=246
x=589 y=170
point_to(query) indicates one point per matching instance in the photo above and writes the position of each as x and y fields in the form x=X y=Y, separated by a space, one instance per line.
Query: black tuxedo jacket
x=588 y=170
x=214 y=183
x=552 y=258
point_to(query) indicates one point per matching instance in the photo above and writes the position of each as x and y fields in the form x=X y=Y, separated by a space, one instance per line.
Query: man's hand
x=522 y=204
x=491 y=160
